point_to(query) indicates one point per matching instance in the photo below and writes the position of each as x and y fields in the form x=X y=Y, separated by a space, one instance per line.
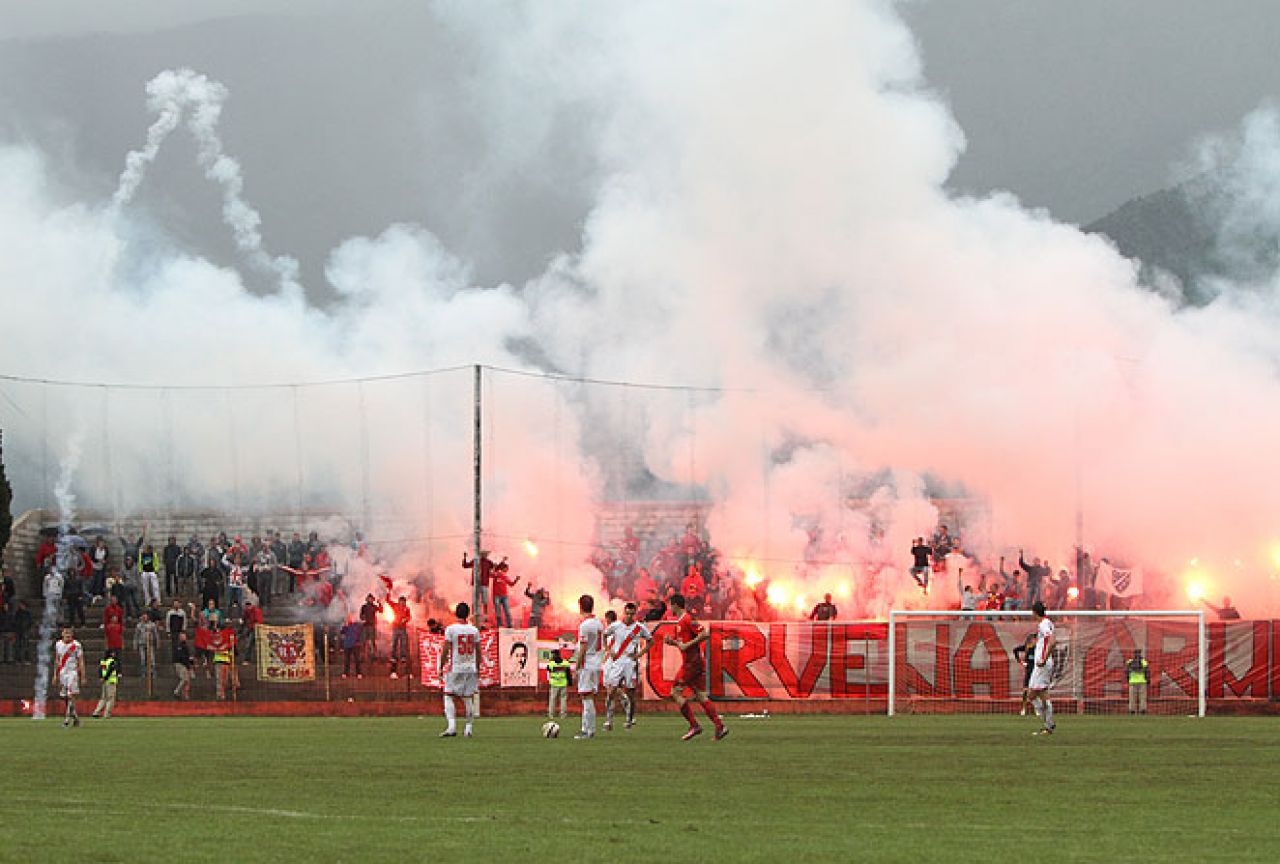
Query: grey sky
x=1078 y=106
x=348 y=117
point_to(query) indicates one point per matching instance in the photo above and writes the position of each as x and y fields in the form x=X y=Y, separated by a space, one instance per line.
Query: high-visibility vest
x=109 y=670
x=1137 y=671
x=558 y=673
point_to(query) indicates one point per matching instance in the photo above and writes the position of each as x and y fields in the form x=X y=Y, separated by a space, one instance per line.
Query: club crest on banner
x=286 y=654
x=1119 y=581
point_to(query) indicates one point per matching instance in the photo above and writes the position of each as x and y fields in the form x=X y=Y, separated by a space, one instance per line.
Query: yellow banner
x=286 y=655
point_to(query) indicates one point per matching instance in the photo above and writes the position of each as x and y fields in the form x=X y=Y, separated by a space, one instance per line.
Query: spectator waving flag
x=1119 y=581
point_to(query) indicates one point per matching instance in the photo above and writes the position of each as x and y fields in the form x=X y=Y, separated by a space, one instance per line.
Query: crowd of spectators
x=216 y=593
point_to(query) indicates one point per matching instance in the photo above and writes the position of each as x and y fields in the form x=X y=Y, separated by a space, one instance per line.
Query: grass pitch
x=915 y=789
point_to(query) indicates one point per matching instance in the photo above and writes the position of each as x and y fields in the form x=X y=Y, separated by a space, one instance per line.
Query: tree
x=6 y=500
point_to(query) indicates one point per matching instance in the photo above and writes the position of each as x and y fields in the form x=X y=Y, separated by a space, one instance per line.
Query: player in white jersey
x=610 y=618
x=587 y=661
x=1042 y=674
x=625 y=641
x=460 y=665
x=70 y=658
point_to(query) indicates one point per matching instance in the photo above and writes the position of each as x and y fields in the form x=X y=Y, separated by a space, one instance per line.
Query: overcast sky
x=1075 y=106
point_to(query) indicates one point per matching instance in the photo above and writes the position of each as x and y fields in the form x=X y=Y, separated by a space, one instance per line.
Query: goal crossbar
x=1202 y=664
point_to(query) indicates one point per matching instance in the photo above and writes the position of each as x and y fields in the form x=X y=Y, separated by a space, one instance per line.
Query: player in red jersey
x=693 y=672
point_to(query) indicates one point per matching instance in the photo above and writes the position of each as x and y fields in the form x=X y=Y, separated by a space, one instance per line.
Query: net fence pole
x=1202 y=665
x=234 y=448
x=893 y=659
x=364 y=456
x=476 y=445
x=170 y=460
x=44 y=446
x=428 y=490
x=297 y=454
x=107 y=469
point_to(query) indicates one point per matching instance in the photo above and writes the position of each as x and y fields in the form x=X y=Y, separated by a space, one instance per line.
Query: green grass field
x=914 y=789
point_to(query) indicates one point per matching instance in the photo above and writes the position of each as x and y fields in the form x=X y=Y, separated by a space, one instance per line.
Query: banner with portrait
x=517 y=657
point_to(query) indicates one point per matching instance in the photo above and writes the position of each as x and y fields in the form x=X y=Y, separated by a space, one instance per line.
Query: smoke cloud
x=769 y=223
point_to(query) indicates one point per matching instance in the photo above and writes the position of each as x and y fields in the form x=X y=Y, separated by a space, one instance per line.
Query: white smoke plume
x=178 y=93
x=770 y=219
x=65 y=494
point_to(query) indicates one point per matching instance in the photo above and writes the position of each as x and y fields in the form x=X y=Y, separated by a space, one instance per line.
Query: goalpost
x=963 y=662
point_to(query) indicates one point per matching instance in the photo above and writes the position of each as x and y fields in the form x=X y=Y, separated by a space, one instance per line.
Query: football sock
x=451 y=714
x=630 y=705
x=468 y=705
x=608 y=708
x=688 y=714
x=1048 y=714
x=1035 y=703
x=588 y=716
x=712 y=713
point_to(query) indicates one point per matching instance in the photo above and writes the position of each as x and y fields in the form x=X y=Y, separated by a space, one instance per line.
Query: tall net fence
x=613 y=487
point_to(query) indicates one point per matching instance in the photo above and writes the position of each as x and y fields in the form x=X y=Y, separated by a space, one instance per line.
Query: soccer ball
x=551 y=729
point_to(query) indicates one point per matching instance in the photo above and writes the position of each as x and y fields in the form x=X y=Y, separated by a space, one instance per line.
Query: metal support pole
x=364 y=459
x=297 y=455
x=1203 y=665
x=893 y=659
x=475 y=451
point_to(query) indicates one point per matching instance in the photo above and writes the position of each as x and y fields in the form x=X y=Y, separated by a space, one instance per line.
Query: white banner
x=517 y=657
x=1122 y=582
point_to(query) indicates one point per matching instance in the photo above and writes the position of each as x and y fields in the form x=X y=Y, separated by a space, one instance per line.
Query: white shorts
x=70 y=684
x=1041 y=676
x=620 y=673
x=589 y=679
x=462 y=684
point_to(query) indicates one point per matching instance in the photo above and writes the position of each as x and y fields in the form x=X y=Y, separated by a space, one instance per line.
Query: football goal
x=1104 y=662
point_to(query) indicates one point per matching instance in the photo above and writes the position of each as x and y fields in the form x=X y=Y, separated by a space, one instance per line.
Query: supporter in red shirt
x=113 y=611
x=995 y=597
x=46 y=551
x=485 y=577
x=693 y=588
x=114 y=631
x=252 y=618
x=502 y=581
x=692 y=543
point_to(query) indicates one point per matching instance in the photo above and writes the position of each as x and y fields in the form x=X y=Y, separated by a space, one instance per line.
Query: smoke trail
x=176 y=93
x=53 y=586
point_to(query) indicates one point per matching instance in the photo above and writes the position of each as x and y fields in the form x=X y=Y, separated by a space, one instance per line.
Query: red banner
x=782 y=660
x=430 y=646
x=971 y=659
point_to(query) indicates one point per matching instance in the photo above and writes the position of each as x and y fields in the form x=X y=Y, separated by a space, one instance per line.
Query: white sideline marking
x=78 y=805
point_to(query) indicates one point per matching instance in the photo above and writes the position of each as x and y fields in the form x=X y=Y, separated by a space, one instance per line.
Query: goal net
x=969 y=662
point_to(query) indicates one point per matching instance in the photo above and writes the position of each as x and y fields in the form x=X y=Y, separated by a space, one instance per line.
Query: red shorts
x=693 y=674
